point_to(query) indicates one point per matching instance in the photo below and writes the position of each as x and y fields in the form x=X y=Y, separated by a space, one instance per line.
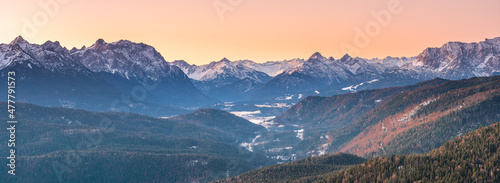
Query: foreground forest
x=473 y=157
x=68 y=145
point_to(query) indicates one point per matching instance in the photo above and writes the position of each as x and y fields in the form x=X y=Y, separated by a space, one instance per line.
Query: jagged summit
x=49 y=56
x=346 y=57
x=54 y=46
x=316 y=55
x=19 y=40
x=181 y=62
x=127 y=42
x=109 y=67
x=127 y=59
x=225 y=60
x=456 y=60
x=100 y=42
x=135 y=61
x=223 y=71
x=55 y=43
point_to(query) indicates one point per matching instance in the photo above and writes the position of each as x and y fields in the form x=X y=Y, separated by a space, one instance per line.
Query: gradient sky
x=259 y=30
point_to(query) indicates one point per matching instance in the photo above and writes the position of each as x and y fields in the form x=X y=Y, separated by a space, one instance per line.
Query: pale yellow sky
x=259 y=30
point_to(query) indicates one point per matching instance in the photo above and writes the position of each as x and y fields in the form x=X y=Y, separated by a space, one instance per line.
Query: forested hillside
x=341 y=110
x=82 y=146
x=474 y=157
x=305 y=170
x=222 y=121
x=413 y=121
x=421 y=120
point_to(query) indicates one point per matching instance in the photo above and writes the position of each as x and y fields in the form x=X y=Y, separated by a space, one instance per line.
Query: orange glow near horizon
x=258 y=30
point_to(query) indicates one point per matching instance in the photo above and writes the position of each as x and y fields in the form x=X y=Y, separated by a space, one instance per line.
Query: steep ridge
x=59 y=79
x=456 y=60
x=221 y=72
x=435 y=113
x=226 y=80
x=319 y=75
x=323 y=76
x=106 y=83
x=411 y=119
x=126 y=65
x=314 y=73
x=340 y=110
x=272 y=68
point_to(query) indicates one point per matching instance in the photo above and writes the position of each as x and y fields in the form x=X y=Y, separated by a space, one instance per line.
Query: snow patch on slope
x=354 y=87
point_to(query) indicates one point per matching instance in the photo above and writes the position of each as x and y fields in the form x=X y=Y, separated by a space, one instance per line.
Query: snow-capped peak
x=456 y=60
x=50 y=55
x=125 y=58
x=221 y=70
x=273 y=68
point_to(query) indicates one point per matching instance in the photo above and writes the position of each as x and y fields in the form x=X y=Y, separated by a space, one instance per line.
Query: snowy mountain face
x=360 y=66
x=234 y=80
x=315 y=73
x=452 y=61
x=126 y=59
x=93 y=78
x=125 y=64
x=321 y=71
x=331 y=71
x=223 y=72
x=321 y=67
x=272 y=68
x=391 y=63
x=47 y=75
x=240 y=69
x=224 y=79
x=50 y=56
x=456 y=60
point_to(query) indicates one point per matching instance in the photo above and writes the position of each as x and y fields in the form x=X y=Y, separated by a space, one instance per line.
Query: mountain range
x=320 y=106
x=319 y=75
x=128 y=76
x=120 y=76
